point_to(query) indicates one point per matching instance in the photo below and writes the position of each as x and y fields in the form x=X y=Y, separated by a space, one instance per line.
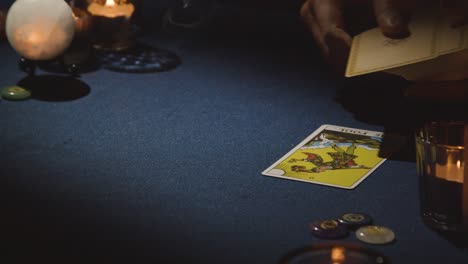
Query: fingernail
x=338 y=36
x=394 y=25
x=338 y=43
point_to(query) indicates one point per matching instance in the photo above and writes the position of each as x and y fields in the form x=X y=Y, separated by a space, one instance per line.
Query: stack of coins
x=359 y=223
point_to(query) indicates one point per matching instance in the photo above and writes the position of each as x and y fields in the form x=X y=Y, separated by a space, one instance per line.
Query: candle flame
x=110 y=3
x=458 y=164
x=338 y=255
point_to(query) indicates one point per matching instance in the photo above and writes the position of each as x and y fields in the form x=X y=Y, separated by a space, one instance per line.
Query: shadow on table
x=380 y=99
x=457 y=239
x=55 y=88
x=52 y=226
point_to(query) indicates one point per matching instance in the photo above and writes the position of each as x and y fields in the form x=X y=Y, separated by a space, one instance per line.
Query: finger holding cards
x=372 y=51
x=393 y=17
x=324 y=19
x=435 y=50
x=333 y=22
x=329 y=23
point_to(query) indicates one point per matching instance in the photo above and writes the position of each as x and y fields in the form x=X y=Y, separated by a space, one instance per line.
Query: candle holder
x=112 y=24
x=441 y=160
x=115 y=39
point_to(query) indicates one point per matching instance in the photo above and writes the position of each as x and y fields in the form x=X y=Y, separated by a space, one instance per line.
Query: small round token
x=375 y=234
x=328 y=229
x=354 y=220
x=15 y=93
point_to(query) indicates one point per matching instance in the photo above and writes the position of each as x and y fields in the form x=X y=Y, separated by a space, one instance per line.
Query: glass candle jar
x=112 y=29
x=441 y=160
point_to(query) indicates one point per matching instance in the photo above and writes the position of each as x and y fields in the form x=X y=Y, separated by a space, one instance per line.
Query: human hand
x=332 y=22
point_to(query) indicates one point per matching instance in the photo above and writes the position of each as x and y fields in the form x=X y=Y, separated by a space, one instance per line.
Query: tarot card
x=333 y=155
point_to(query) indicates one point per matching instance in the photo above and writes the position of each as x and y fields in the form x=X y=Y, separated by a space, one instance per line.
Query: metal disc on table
x=328 y=229
x=375 y=234
x=140 y=58
x=355 y=220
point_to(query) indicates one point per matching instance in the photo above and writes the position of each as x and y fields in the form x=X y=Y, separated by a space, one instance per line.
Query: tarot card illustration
x=335 y=156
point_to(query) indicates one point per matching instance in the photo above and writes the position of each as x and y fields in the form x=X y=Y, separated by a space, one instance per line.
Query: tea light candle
x=40 y=29
x=111 y=24
x=111 y=9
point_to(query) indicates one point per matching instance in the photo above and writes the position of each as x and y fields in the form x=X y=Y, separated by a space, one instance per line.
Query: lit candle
x=111 y=25
x=111 y=9
x=450 y=172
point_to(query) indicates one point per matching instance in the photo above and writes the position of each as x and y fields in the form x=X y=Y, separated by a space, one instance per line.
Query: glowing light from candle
x=338 y=255
x=458 y=164
x=111 y=9
x=110 y=3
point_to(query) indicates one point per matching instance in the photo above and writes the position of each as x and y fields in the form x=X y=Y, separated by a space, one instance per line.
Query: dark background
x=166 y=167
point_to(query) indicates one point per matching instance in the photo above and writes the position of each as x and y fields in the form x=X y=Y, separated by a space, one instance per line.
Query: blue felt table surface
x=167 y=166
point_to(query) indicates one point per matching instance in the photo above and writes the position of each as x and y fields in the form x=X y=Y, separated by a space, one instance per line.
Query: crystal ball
x=40 y=29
